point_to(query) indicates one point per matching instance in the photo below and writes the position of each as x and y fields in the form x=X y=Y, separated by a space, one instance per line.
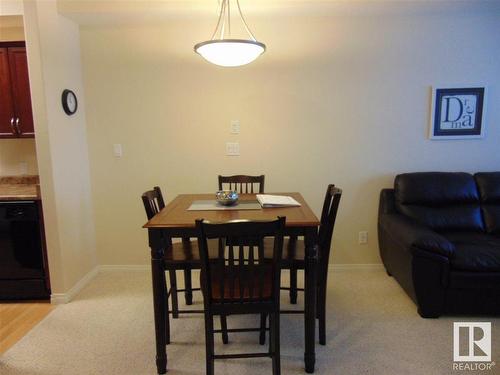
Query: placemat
x=212 y=205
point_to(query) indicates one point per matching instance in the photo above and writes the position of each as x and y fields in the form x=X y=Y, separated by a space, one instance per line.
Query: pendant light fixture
x=226 y=51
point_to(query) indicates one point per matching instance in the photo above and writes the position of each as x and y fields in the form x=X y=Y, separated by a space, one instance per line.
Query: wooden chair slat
x=243 y=184
x=231 y=272
x=251 y=271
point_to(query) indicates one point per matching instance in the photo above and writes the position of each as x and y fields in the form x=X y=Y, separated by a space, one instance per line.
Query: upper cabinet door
x=18 y=64
x=7 y=117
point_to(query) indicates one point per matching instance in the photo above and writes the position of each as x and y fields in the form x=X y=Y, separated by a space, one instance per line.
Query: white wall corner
x=60 y=298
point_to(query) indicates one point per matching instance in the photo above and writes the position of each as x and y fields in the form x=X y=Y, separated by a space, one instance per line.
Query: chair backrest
x=243 y=184
x=153 y=202
x=241 y=272
x=328 y=216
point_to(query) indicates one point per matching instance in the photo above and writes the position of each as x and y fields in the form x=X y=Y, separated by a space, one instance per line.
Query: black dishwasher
x=22 y=260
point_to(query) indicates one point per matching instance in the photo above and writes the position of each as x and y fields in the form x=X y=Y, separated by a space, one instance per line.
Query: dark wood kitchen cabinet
x=16 y=117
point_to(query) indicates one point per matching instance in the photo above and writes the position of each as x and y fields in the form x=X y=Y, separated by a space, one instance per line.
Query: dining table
x=177 y=220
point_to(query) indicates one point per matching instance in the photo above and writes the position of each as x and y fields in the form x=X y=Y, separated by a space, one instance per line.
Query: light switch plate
x=235 y=126
x=117 y=150
x=232 y=148
x=363 y=237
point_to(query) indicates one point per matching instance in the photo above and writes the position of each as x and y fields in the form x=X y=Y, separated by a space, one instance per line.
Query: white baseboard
x=356 y=267
x=331 y=267
x=60 y=298
x=124 y=267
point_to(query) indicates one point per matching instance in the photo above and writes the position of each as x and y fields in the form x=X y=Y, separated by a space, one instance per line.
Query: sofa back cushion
x=488 y=184
x=443 y=201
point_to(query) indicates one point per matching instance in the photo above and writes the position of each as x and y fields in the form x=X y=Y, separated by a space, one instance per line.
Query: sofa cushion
x=447 y=218
x=491 y=215
x=443 y=201
x=488 y=184
x=435 y=188
x=474 y=251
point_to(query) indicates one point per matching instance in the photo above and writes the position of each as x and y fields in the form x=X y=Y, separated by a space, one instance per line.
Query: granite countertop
x=14 y=188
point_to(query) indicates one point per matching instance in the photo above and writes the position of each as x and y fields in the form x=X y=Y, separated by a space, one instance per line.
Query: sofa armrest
x=387 y=204
x=413 y=235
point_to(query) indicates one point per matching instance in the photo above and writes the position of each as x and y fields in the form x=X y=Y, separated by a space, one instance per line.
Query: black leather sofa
x=439 y=236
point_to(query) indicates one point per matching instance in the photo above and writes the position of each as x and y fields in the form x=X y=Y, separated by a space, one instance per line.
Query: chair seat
x=244 y=284
x=477 y=252
x=293 y=252
x=182 y=252
x=187 y=253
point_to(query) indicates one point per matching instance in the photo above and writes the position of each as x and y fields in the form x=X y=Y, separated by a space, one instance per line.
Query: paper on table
x=267 y=200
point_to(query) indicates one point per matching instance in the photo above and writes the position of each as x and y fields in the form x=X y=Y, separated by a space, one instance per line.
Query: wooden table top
x=176 y=215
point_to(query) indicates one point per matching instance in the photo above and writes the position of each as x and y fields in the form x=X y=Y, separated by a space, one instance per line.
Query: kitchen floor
x=17 y=319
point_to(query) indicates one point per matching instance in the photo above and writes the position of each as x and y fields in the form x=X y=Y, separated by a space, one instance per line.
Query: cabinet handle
x=17 y=126
x=12 y=126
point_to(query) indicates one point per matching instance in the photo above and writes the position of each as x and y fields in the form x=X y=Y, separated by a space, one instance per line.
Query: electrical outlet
x=232 y=148
x=235 y=126
x=363 y=237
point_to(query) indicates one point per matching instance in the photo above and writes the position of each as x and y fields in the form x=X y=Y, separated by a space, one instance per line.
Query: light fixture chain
x=218 y=21
x=229 y=16
x=223 y=14
x=244 y=22
x=225 y=17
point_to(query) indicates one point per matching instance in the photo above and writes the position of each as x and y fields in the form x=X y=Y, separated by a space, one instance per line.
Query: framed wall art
x=457 y=112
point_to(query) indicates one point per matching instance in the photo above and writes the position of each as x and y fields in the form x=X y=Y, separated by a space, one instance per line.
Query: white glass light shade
x=230 y=52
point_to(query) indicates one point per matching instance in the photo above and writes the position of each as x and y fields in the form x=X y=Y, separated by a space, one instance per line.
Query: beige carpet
x=373 y=328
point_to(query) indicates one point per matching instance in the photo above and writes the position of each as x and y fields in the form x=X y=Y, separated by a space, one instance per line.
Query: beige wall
x=338 y=99
x=9 y=34
x=11 y=28
x=53 y=45
x=17 y=156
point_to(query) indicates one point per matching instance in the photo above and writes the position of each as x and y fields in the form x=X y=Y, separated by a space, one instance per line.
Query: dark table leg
x=162 y=331
x=311 y=262
x=188 y=294
x=188 y=288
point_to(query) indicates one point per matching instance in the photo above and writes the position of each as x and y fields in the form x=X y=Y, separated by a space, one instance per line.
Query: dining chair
x=294 y=255
x=242 y=184
x=179 y=256
x=241 y=279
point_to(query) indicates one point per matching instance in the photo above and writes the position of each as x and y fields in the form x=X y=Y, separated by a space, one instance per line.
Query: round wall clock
x=69 y=102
